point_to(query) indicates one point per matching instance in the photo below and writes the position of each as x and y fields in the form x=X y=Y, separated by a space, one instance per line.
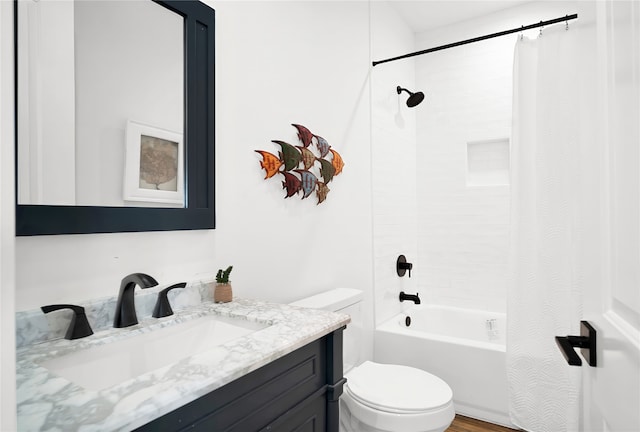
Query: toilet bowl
x=382 y=397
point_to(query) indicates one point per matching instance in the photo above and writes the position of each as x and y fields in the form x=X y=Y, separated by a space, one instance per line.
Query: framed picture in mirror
x=154 y=165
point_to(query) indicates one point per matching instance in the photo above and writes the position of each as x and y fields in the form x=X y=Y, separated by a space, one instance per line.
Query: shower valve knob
x=402 y=266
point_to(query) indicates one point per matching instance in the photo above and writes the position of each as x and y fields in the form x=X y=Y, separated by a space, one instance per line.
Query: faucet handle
x=402 y=266
x=163 y=307
x=79 y=326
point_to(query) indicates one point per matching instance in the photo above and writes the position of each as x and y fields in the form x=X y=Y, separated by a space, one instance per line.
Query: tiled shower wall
x=462 y=150
x=393 y=143
x=462 y=156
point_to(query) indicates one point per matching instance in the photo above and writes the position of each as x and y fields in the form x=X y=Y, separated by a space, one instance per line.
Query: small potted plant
x=222 y=292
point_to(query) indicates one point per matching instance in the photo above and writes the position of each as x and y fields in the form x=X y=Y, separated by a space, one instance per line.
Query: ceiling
x=422 y=15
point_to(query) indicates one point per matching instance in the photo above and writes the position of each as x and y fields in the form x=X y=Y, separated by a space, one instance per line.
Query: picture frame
x=154 y=165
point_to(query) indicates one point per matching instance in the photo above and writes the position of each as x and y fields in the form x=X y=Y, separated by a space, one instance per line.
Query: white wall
x=463 y=230
x=275 y=66
x=47 y=103
x=393 y=160
x=7 y=224
x=277 y=63
x=84 y=82
x=131 y=64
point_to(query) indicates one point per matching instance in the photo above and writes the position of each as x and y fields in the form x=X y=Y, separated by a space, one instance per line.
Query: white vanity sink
x=103 y=366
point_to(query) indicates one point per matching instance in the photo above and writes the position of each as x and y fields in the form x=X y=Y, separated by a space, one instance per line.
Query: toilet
x=382 y=397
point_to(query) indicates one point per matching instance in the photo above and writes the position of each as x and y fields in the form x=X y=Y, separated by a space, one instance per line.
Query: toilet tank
x=347 y=301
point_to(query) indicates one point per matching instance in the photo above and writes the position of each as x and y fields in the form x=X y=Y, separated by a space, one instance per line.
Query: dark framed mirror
x=190 y=201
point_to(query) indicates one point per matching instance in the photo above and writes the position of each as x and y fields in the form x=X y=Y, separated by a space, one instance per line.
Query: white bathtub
x=464 y=347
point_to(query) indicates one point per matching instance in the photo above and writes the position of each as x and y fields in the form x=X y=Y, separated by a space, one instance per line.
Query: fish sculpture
x=337 y=161
x=291 y=183
x=323 y=145
x=322 y=192
x=309 y=181
x=308 y=158
x=270 y=162
x=298 y=165
x=289 y=155
x=326 y=170
x=304 y=134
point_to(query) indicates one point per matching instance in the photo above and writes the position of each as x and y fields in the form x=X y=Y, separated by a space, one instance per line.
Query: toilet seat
x=397 y=389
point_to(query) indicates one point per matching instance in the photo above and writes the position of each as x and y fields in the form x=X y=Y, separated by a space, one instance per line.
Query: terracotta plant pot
x=222 y=293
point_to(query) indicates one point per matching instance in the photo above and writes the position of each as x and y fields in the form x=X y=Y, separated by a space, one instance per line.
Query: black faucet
x=163 y=307
x=79 y=326
x=413 y=298
x=126 y=307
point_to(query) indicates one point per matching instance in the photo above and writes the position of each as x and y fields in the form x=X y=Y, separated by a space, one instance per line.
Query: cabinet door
x=308 y=416
x=268 y=396
x=257 y=399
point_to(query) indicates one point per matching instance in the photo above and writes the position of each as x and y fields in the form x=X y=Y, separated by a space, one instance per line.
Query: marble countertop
x=47 y=402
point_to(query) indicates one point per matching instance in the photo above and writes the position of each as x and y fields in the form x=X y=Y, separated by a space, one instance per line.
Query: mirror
x=115 y=126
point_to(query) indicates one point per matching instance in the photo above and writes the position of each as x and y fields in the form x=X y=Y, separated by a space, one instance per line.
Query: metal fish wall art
x=291 y=183
x=303 y=166
x=323 y=145
x=289 y=155
x=308 y=158
x=322 y=192
x=270 y=162
x=337 y=162
x=309 y=182
x=304 y=134
x=327 y=170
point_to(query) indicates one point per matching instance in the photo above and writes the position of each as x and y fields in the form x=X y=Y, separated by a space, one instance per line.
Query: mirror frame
x=199 y=133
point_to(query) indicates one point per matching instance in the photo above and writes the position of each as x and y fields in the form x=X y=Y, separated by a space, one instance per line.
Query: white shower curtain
x=552 y=133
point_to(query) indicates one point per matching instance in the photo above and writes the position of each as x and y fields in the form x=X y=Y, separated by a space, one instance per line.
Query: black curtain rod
x=481 y=38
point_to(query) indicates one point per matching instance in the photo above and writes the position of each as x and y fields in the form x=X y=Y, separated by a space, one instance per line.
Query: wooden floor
x=467 y=424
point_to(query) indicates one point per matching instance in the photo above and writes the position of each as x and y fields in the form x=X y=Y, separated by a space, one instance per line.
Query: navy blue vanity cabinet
x=299 y=391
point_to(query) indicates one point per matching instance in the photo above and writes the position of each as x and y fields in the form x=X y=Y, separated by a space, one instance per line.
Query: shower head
x=414 y=98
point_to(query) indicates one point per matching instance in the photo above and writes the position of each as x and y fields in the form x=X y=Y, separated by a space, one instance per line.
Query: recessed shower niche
x=488 y=162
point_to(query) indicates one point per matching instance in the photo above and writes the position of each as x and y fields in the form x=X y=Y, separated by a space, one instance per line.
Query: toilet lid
x=396 y=388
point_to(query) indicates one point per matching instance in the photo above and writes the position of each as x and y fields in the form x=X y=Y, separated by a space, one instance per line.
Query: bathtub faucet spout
x=413 y=298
